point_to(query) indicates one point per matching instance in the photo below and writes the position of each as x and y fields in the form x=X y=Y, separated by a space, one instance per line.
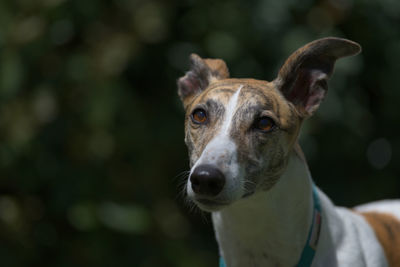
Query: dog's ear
x=202 y=72
x=303 y=77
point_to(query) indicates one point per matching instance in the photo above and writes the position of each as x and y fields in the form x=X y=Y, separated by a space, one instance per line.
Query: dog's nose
x=207 y=180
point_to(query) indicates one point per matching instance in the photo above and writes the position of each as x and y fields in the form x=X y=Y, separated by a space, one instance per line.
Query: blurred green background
x=91 y=128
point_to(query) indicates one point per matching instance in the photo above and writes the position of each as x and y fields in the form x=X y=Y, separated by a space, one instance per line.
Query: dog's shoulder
x=384 y=218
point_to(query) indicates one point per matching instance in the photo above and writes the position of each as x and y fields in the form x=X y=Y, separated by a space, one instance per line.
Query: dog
x=249 y=171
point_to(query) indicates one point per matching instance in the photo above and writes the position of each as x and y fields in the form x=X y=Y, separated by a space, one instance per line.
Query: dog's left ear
x=202 y=72
x=303 y=77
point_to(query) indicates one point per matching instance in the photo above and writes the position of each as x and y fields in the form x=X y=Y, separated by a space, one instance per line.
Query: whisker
x=181 y=184
x=182 y=174
x=191 y=206
x=204 y=217
x=182 y=195
x=182 y=191
x=249 y=186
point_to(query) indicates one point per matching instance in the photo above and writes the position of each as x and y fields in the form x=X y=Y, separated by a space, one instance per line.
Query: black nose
x=207 y=180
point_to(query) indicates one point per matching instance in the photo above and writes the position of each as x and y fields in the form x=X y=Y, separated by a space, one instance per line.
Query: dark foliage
x=91 y=127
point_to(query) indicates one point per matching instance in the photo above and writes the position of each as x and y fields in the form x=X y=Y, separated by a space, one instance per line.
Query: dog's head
x=240 y=132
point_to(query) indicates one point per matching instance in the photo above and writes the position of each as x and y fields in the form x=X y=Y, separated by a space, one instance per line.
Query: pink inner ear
x=314 y=99
x=309 y=89
x=189 y=84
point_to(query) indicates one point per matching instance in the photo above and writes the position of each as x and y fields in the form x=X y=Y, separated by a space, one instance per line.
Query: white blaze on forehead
x=221 y=150
x=230 y=111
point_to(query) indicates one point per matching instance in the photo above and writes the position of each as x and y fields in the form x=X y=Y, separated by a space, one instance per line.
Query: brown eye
x=199 y=116
x=265 y=124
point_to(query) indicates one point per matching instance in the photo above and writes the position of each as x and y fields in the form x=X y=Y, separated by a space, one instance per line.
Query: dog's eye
x=265 y=124
x=199 y=116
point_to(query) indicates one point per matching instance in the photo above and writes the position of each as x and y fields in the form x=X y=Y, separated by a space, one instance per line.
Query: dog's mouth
x=216 y=204
x=210 y=204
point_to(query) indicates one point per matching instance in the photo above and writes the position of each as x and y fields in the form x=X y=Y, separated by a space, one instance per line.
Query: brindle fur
x=256 y=98
x=263 y=156
x=294 y=95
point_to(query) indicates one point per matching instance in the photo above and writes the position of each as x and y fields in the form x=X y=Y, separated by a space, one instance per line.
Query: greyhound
x=249 y=171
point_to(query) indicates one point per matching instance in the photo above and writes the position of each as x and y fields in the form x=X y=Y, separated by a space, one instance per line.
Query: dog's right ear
x=202 y=73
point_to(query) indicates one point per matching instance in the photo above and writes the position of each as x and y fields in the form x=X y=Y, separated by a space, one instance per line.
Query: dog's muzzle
x=207 y=180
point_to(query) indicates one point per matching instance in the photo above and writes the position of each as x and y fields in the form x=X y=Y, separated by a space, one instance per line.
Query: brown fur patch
x=218 y=68
x=387 y=230
x=202 y=72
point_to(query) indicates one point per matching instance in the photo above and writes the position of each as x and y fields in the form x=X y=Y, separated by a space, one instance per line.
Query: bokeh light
x=92 y=157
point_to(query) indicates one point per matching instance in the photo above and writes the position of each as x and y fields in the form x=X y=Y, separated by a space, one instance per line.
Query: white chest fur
x=271 y=228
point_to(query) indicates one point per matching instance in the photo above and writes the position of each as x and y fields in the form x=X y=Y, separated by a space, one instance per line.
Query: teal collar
x=309 y=249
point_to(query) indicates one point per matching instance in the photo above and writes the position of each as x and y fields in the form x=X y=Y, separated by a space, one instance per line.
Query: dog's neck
x=269 y=228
